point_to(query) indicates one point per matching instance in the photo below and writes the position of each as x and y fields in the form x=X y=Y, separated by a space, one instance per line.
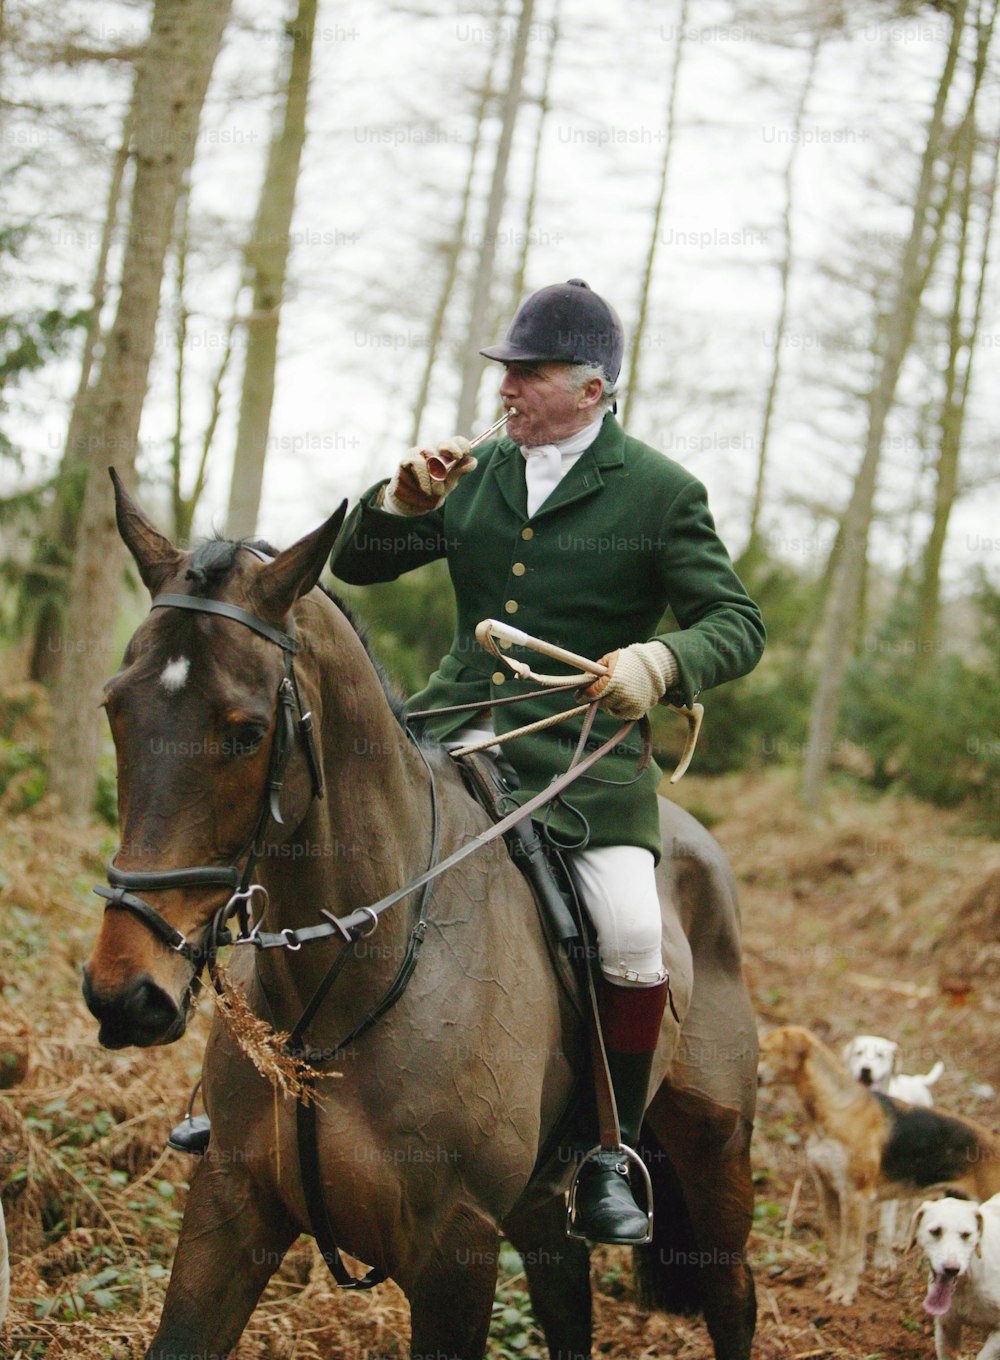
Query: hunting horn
x=440 y=464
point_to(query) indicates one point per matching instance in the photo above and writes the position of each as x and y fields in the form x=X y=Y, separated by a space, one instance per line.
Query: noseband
x=125 y=884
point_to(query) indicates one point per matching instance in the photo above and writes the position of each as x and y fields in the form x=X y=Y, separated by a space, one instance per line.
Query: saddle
x=566 y=928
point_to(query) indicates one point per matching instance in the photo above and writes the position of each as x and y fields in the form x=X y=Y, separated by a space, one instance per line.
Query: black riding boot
x=606 y=1210
x=191 y=1135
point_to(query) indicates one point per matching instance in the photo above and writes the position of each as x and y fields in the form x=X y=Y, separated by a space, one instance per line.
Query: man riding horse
x=582 y=536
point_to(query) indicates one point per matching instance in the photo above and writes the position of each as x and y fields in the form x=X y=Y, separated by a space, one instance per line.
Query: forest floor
x=880 y=917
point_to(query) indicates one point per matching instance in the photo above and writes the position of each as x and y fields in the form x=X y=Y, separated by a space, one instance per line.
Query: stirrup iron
x=630 y=1155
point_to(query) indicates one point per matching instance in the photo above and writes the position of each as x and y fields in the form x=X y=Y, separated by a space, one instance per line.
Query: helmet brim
x=506 y=353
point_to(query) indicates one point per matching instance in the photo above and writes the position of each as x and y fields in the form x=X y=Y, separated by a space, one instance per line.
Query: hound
x=875 y=1061
x=862 y=1143
x=961 y=1241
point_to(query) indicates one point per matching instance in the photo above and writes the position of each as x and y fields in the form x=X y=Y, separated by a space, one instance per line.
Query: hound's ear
x=847 y=1053
x=911 y=1236
x=802 y=1041
x=295 y=571
x=154 y=555
x=981 y=1224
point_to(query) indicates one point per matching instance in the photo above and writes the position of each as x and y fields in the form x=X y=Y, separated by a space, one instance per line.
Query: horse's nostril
x=141 y=1013
x=150 y=1005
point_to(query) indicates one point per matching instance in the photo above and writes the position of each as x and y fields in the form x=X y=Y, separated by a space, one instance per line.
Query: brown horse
x=430 y=1138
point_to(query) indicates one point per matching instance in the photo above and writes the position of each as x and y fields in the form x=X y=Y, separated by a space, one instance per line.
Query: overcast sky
x=390 y=128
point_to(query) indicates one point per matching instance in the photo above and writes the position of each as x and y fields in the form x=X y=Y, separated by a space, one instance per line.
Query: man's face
x=548 y=408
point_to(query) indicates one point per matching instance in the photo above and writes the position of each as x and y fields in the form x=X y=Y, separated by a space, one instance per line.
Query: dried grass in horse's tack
x=262 y=1044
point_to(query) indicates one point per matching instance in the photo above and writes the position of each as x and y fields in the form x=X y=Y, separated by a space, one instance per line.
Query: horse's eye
x=243 y=739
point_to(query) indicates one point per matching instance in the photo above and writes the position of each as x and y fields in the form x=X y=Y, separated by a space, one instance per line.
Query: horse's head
x=202 y=712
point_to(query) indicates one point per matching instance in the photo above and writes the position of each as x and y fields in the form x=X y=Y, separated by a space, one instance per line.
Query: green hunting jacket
x=626 y=533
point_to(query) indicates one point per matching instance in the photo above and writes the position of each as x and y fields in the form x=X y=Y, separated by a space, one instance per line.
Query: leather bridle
x=126 y=884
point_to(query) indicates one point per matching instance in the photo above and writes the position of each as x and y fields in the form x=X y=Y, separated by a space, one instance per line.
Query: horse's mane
x=213 y=560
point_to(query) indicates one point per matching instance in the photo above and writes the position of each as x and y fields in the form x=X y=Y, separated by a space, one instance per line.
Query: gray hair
x=579 y=375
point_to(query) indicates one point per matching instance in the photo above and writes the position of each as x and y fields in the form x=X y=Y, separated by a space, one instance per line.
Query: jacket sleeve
x=375 y=546
x=721 y=632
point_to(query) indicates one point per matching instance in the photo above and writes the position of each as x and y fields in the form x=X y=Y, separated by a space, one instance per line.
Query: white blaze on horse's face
x=175 y=674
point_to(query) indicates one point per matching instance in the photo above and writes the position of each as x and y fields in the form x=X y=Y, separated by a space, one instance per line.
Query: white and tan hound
x=961 y=1240
x=863 y=1145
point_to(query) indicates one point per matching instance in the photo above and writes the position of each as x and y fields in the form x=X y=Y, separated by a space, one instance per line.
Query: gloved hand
x=640 y=676
x=412 y=491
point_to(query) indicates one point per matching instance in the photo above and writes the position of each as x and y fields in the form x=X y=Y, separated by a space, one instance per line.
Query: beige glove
x=412 y=491
x=640 y=676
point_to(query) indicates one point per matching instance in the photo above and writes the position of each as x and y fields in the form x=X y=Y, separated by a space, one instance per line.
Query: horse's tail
x=667 y=1270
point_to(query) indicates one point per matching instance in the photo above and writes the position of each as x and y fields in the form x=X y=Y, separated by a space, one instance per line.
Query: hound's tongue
x=938 y=1299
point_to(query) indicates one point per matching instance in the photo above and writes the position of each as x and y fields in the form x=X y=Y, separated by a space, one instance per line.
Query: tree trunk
x=170 y=91
x=472 y=367
x=181 y=315
x=457 y=243
x=638 y=335
x=185 y=503
x=785 y=271
x=54 y=551
x=517 y=288
x=840 y=615
x=962 y=339
x=267 y=262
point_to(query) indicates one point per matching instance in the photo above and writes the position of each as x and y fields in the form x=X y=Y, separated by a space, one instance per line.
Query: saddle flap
x=541 y=867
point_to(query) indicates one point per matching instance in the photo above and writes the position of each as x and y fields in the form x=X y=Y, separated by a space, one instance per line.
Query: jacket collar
x=582 y=481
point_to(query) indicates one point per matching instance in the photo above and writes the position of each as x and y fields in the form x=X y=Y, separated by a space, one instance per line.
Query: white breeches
x=619 y=889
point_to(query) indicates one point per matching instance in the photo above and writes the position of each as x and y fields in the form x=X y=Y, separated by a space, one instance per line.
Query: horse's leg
x=451 y=1288
x=708 y=1148
x=230 y=1245
x=558 y=1273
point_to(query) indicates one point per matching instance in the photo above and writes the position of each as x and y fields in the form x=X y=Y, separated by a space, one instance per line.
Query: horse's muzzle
x=141 y=1014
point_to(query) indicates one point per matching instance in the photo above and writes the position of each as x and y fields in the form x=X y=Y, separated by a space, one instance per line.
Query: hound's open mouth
x=942 y=1287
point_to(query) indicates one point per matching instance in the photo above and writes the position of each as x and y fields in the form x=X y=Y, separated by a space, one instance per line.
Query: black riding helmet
x=565 y=323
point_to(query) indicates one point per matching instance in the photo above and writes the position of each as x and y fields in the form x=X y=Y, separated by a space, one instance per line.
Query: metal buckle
x=374 y=925
x=295 y=945
x=247 y=895
x=630 y=1156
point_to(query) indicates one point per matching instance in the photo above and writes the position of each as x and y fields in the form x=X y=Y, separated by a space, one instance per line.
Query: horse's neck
x=369 y=834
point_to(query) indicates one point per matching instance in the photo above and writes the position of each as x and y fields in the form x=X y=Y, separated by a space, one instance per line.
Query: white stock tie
x=543 y=470
x=545 y=465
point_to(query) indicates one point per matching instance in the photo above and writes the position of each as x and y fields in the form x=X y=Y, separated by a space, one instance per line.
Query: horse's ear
x=295 y=571
x=155 y=556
